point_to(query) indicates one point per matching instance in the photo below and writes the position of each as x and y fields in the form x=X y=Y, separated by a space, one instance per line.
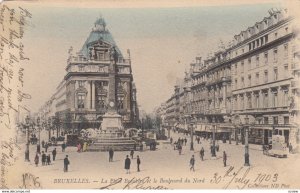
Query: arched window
x=80 y=100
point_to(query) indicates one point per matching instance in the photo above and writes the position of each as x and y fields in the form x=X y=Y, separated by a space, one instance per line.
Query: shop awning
x=198 y=128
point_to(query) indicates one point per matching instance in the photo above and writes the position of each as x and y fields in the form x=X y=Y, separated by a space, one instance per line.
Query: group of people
x=82 y=147
x=46 y=159
x=128 y=163
x=127 y=160
x=192 y=160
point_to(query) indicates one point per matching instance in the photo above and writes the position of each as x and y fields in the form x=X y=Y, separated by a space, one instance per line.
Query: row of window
x=266 y=77
x=269 y=99
x=257 y=59
x=100 y=103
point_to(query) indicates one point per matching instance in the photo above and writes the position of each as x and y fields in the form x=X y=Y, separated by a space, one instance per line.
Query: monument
x=111 y=132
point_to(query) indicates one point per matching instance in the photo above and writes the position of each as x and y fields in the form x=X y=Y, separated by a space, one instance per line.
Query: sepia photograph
x=150 y=95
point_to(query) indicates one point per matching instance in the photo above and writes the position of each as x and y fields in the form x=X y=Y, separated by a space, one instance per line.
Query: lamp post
x=27 y=139
x=38 y=120
x=49 y=129
x=192 y=135
x=142 y=128
x=230 y=135
x=247 y=162
x=213 y=151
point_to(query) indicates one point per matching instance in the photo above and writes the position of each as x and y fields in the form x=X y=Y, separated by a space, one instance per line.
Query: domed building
x=96 y=76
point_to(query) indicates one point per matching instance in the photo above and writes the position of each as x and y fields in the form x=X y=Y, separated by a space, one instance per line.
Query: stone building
x=82 y=98
x=254 y=81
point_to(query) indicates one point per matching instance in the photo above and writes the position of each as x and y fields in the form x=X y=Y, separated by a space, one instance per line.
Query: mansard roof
x=99 y=33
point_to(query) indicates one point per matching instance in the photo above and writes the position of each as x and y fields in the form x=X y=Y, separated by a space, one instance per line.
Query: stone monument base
x=112 y=135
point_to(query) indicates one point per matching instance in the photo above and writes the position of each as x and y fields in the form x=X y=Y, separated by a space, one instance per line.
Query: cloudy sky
x=163 y=42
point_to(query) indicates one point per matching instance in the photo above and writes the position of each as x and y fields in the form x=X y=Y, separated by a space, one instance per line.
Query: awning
x=267 y=128
x=198 y=128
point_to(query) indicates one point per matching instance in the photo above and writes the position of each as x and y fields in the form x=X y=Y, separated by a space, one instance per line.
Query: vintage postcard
x=149 y=95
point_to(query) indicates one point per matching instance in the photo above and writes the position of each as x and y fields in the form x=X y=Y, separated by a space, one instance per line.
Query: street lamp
x=213 y=151
x=38 y=120
x=142 y=128
x=27 y=138
x=247 y=162
x=192 y=136
x=49 y=128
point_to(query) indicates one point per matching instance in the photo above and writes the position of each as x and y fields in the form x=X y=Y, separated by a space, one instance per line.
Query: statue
x=114 y=54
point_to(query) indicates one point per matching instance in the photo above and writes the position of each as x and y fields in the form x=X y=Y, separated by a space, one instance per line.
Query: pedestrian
x=192 y=163
x=185 y=140
x=54 y=154
x=46 y=146
x=111 y=154
x=66 y=163
x=48 y=159
x=38 y=149
x=138 y=162
x=43 y=144
x=202 y=153
x=212 y=149
x=179 y=148
x=198 y=140
x=84 y=146
x=171 y=140
x=290 y=148
x=81 y=146
x=127 y=164
x=43 y=158
x=36 y=159
x=63 y=147
x=131 y=154
x=217 y=147
x=78 y=147
x=224 y=158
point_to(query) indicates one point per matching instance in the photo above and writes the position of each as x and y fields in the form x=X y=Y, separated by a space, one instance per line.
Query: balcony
x=218 y=80
x=261 y=110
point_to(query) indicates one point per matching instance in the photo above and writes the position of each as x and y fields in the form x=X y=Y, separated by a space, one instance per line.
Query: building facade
x=254 y=81
x=82 y=98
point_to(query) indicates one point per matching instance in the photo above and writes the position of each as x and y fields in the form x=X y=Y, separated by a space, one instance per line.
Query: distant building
x=82 y=97
x=255 y=78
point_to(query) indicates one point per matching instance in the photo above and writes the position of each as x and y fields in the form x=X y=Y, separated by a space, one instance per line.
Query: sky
x=162 y=41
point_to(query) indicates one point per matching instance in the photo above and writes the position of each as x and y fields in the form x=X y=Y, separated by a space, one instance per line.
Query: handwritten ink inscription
x=29 y=181
x=12 y=56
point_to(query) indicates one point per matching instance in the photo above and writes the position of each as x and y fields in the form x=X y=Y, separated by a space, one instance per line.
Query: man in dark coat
x=185 y=141
x=38 y=148
x=111 y=154
x=36 y=159
x=54 y=154
x=198 y=140
x=66 y=163
x=192 y=163
x=127 y=164
x=138 y=162
x=48 y=159
x=202 y=153
x=224 y=158
x=63 y=147
x=179 y=149
x=43 y=144
x=131 y=154
x=44 y=157
x=46 y=147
